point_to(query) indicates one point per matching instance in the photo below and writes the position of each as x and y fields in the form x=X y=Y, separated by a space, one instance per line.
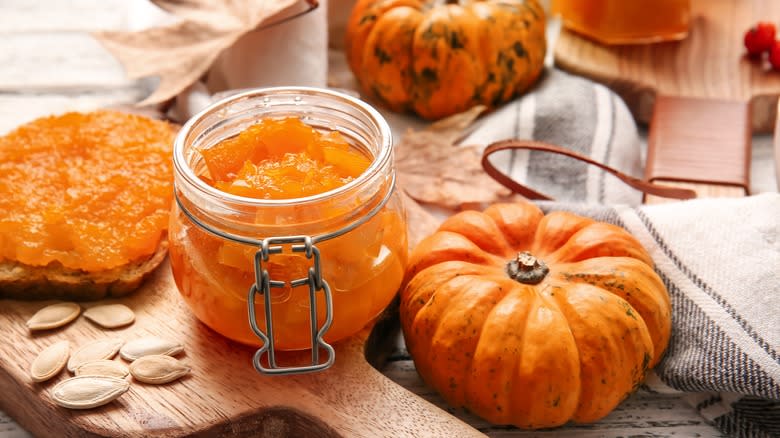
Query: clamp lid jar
x=316 y=269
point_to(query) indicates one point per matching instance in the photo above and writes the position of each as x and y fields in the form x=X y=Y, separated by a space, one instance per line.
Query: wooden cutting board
x=709 y=63
x=705 y=79
x=224 y=396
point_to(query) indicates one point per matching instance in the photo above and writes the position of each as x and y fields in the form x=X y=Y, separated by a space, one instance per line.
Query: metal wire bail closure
x=263 y=284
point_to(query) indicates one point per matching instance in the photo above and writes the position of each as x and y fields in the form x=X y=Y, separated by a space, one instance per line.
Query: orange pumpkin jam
x=287 y=159
x=89 y=191
x=282 y=159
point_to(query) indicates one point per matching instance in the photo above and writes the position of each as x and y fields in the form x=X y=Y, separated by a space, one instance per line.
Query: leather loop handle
x=506 y=181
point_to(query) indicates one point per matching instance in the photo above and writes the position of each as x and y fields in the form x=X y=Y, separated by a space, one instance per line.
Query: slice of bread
x=83 y=196
x=25 y=282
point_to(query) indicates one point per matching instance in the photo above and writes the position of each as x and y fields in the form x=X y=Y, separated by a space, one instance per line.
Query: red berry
x=760 y=38
x=774 y=55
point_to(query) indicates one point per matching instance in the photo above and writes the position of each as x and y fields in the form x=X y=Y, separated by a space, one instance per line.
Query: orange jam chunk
x=89 y=191
x=282 y=159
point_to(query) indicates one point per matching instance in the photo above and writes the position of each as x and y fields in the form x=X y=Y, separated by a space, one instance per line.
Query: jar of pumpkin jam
x=286 y=232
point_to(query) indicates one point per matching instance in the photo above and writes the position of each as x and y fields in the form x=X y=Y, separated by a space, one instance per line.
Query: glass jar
x=353 y=238
x=626 y=21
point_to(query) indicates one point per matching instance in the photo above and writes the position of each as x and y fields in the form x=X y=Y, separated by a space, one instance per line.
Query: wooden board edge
x=638 y=99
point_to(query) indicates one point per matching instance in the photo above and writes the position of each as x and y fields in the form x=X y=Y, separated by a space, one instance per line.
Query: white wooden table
x=50 y=64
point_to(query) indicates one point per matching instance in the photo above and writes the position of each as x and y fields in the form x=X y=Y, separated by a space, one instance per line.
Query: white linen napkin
x=575 y=113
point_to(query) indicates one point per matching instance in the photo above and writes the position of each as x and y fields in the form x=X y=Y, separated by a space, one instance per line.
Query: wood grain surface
x=643 y=414
x=61 y=69
x=710 y=62
x=224 y=395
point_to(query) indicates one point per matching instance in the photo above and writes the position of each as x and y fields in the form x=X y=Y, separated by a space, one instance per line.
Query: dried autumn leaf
x=453 y=128
x=180 y=53
x=421 y=223
x=431 y=169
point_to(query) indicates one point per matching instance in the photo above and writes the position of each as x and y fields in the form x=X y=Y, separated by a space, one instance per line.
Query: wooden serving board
x=713 y=96
x=709 y=63
x=224 y=396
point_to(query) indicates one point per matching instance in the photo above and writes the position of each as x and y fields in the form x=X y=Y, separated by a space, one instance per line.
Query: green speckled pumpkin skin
x=438 y=58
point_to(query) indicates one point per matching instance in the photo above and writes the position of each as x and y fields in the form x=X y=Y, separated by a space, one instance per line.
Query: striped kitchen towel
x=720 y=261
x=574 y=113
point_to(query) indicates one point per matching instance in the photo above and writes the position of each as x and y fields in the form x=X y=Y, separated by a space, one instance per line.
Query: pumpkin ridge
x=518 y=223
x=533 y=307
x=458 y=313
x=414 y=296
x=569 y=401
x=600 y=239
x=546 y=292
x=505 y=288
x=481 y=230
x=416 y=291
x=488 y=360
x=609 y=373
x=512 y=402
x=443 y=274
x=555 y=230
x=448 y=245
x=391 y=59
x=527 y=375
x=646 y=302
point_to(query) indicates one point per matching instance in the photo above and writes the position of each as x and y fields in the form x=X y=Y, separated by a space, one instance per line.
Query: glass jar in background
x=625 y=21
x=359 y=229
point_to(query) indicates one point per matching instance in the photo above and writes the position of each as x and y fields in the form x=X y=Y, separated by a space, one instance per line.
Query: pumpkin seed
x=53 y=316
x=110 y=315
x=85 y=392
x=50 y=361
x=148 y=346
x=95 y=350
x=158 y=369
x=103 y=367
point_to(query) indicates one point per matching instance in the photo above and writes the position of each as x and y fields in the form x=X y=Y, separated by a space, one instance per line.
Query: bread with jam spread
x=21 y=281
x=84 y=204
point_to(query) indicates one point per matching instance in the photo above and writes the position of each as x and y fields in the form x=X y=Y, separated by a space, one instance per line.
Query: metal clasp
x=263 y=284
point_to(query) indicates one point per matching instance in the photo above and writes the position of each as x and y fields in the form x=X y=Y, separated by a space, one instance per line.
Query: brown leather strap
x=506 y=181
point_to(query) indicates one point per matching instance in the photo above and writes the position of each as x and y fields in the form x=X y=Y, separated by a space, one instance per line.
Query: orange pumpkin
x=438 y=58
x=533 y=320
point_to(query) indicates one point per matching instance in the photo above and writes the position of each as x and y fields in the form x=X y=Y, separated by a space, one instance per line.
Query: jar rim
x=377 y=164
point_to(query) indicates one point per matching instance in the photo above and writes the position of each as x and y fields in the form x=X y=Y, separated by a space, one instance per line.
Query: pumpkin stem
x=527 y=269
